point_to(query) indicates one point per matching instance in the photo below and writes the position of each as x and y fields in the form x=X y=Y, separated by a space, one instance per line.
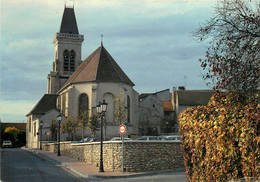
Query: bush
x=221 y=141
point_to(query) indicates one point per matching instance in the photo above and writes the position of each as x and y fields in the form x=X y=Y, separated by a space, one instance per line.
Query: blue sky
x=150 y=40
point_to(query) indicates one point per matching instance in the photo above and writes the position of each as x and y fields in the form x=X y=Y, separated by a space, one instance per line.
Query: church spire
x=69 y=23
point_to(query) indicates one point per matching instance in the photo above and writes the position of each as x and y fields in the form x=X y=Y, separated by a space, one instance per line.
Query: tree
x=53 y=129
x=2 y=127
x=221 y=140
x=83 y=120
x=71 y=126
x=233 y=56
x=93 y=124
x=12 y=130
x=119 y=109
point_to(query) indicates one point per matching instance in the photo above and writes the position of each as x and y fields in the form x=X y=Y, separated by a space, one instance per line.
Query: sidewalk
x=90 y=171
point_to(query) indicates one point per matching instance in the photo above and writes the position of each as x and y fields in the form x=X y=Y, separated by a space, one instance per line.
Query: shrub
x=221 y=140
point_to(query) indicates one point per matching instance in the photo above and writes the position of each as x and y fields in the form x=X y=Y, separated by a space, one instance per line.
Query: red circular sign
x=122 y=129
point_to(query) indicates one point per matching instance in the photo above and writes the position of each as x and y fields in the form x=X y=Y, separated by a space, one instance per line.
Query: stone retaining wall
x=139 y=156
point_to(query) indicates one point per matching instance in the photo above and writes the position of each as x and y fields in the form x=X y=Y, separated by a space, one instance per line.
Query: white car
x=176 y=138
x=7 y=143
x=151 y=138
x=119 y=138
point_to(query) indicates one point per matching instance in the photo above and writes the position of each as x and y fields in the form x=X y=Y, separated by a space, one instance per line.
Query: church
x=74 y=84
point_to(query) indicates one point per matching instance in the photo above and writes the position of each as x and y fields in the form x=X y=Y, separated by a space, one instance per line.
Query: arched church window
x=66 y=60
x=128 y=109
x=72 y=60
x=83 y=103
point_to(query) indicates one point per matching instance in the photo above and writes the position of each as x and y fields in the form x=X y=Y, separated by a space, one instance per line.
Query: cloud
x=149 y=39
x=15 y=111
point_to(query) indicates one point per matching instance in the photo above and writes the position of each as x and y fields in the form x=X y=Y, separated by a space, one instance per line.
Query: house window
x=83 y=103
x=128 y=109
x=69 y=60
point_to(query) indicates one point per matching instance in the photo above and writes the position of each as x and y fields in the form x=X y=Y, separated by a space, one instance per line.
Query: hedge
x=221 y=141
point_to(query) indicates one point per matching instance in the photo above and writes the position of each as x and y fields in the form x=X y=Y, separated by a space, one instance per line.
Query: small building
x=164 y=118
x=46 y=103
x=183 y=99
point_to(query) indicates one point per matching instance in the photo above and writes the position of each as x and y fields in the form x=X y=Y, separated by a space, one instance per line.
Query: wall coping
x=111 y=142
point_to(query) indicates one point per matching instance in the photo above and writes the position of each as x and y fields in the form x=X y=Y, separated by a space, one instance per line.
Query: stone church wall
x=139 y=156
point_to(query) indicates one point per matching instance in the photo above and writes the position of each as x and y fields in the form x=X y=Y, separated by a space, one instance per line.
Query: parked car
x=174 y=137
x=151 y=138
x=90 y=139
x=119 y=138
x=7 y=143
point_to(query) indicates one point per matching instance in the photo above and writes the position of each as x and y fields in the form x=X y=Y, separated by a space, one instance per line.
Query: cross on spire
x=69 y=3
x=102 y=39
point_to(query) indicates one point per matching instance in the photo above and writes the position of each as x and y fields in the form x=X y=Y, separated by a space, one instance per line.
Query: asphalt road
x=19 y=165
x=171 y=177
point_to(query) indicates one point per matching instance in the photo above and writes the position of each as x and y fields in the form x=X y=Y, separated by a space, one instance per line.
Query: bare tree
x=232 y=61
x=53 y=129
x=119 y=109
x=93 y=124
x=70 y=126
x=83 y=120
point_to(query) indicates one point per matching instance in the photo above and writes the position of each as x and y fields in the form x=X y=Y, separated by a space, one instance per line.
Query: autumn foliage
x=221 y=141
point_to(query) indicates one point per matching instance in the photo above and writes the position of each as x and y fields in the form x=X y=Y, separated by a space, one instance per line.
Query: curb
x=84 y=175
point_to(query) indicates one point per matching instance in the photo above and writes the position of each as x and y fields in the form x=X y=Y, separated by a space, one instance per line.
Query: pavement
x=90 y=171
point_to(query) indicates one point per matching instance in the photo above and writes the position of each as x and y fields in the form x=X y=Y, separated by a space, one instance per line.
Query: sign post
x=122 y=131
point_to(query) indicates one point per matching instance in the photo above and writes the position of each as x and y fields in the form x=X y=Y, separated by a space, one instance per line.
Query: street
x=19 y=165
x=175 y=177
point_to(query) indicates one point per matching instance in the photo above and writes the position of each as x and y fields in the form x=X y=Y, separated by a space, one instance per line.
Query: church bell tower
x=67 y=57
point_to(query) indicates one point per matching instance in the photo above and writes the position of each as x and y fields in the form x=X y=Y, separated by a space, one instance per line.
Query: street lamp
x=101 y=109
x=41 y=124
x=59 y=121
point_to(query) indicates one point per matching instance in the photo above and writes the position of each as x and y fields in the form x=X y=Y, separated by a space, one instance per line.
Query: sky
x=151 y=40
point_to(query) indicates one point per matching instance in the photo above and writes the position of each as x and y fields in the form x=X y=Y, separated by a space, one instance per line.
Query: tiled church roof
x=69 y=23
x=99 y=67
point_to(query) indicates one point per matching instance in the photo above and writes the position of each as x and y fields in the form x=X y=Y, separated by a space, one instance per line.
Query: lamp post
x=101 y=109
x=59 y=121
x=41 y=124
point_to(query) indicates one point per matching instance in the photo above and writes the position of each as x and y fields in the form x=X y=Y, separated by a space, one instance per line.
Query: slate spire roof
x=99 y=67
x=68 y=22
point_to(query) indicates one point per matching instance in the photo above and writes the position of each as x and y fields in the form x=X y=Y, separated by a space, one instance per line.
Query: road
x=19 y=165
x=171 y=177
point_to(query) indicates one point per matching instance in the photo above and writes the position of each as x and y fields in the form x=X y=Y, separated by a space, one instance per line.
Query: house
x=165 y=117
x=162 y=118
x=151 y=115
x=46 y=103
x=183 y=99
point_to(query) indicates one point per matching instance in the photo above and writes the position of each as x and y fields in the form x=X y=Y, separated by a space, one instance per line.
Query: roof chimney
x=181 y=88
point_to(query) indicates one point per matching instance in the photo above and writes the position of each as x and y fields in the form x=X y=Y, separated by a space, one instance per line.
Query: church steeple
x=69 y=23
x=67 y=43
